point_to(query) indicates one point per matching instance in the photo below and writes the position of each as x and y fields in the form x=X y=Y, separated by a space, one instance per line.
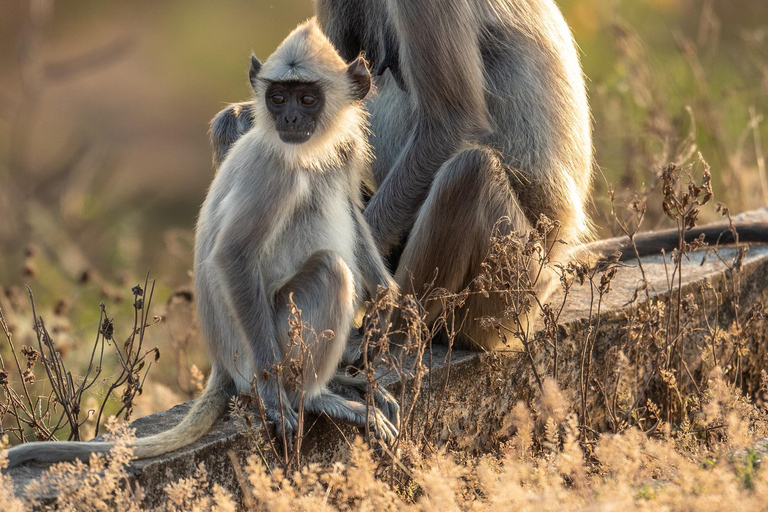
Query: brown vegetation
x=645 y=430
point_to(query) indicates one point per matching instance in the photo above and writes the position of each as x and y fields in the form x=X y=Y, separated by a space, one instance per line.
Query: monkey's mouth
x=294 y=136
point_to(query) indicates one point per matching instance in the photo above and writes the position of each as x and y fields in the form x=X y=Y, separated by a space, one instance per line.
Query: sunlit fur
x=492 y=87
x=504 y=73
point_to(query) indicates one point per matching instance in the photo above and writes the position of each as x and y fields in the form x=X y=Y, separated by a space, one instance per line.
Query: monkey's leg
x=357 y=388
x=452 y=232
x=223 y=339
x=324 y=290
x=353 y=412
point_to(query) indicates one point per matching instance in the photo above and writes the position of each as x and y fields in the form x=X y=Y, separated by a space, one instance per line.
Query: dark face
x=296 y=108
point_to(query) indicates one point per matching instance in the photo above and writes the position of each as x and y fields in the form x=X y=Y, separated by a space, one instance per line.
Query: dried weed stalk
x=52 y=406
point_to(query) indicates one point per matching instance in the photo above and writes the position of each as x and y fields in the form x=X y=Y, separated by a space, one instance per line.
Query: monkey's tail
x=653 y=242
x=201 y=417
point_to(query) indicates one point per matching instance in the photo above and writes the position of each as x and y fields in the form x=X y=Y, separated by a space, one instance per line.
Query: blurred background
x=104 y=154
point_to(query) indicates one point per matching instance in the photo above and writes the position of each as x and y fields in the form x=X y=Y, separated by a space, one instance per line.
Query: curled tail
x=201 y=417
x=654 y=242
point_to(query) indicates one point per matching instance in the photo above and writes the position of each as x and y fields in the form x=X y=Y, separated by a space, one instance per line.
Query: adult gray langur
x=282 y=218
x=481 y=113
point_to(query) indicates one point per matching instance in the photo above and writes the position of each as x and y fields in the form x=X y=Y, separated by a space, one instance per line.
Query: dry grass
x=542 y=472
x=58 y=408
x=641 y=432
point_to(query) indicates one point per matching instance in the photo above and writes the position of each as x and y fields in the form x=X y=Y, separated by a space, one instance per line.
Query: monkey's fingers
x=286 y=425
x=382 y=428
x=388 y=404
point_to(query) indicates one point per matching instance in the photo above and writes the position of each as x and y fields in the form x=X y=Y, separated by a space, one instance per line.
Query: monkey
x=227 y=127
x=282 y=221
x=481 y=114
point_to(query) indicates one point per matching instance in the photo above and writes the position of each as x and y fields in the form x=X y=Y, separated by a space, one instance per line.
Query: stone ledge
x=481 y=388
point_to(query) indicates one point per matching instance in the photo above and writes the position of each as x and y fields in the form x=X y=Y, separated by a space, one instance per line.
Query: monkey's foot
x=350 y=409
x=357 y=389
x=382 y=428
x=286 y=424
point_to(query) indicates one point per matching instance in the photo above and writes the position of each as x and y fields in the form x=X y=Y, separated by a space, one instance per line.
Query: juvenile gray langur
x=283 y=217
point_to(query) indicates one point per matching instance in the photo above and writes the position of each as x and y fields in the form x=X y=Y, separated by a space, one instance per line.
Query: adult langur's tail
x=653 y=242
x=201 y=417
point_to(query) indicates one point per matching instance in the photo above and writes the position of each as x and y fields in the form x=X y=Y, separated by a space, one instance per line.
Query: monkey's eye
x=278 y=99
x=308 y=99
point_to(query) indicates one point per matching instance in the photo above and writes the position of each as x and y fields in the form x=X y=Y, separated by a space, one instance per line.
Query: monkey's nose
x=291 y=119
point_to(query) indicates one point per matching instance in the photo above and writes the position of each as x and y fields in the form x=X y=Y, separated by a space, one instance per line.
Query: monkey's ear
x=360 y=76
x=254 y=71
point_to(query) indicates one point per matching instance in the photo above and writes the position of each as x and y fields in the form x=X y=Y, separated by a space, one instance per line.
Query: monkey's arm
x=443 y=71
x=374 y=271
x=244 y=288
x=227 y=126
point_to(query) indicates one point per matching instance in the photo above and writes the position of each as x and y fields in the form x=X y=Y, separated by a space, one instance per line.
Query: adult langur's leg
x=451 y=238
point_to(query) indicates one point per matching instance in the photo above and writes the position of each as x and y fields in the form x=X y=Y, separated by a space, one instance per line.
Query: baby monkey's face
x=296 y=108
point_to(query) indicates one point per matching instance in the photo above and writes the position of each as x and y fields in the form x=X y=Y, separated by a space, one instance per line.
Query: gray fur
x=498 y=125
x=275 y=226
x=510 y=66
x=279 y=220
x=473 y=176
x=228 y=126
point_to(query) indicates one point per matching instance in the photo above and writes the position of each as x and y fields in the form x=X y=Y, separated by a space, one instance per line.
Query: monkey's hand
x=286 y=425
